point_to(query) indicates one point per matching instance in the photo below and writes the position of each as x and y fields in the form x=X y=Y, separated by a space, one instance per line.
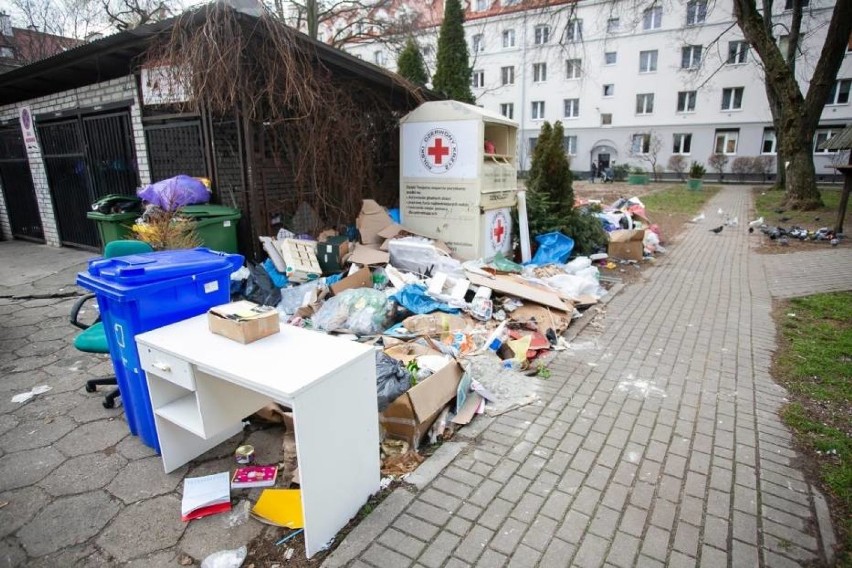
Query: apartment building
x=633 y=80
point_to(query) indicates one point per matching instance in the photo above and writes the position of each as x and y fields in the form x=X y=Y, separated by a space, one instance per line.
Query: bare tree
x=65 y=18
x=646 y=147
x=129 y=14
x=718 y=162
x=677 y=164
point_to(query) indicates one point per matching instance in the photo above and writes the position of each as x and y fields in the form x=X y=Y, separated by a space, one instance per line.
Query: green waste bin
x=113 y=226
x=216 y=225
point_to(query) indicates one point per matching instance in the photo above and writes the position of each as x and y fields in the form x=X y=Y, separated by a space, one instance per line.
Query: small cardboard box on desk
x=626 y=244
x=243 y=321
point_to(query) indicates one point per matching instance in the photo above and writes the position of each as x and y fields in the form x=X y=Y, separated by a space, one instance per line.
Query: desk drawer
x=167 y=367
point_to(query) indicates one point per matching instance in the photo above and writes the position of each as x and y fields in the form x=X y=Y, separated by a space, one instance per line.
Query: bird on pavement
x=750 y=230
x=757 y=222
x=718 y=229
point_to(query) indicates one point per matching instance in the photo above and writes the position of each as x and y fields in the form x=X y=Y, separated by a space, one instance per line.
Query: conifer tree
x=452 y=73
x=410 y=64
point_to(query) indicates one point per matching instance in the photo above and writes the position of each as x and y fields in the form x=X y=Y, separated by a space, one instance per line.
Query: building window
x=574 y=30
x=682 y=144
x=507 y=75
x=737 y=52
x=538 y=110
x=696 y=12
x=478 y=79
x=478 y=43
x=481 y=5
x=839 y=94
x=732 y=98
x=508 y=39
x=652 y=18
x=507 y=110
x=427 y=51
x=573 y=68
x=822 y=136
x=788 y=5
x=610 y=57
x=7 y=52
x=533 y=142
x=645 y=103
x=690 y=57
x=606 y=119
x=648 y=61
x=726 y=142
x=686 y=101
x=378 y=57
x=609 y=90
x=572 y=108
x=569 y=144
x=612 y=25
x=539 y=72
x=641 y=144
x=769 y=141
x=541 y=34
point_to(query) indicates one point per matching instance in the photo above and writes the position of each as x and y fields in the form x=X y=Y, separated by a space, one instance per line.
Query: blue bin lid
x=153 y=267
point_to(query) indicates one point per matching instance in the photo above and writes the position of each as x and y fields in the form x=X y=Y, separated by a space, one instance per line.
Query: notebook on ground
x=206 y=495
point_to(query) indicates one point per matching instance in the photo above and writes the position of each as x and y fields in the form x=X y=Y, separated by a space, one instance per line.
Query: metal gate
x=18 y=187
x=87 y=158
x=176 y=148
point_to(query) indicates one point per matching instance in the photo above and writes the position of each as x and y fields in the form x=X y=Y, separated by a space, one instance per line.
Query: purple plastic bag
x=173 y=193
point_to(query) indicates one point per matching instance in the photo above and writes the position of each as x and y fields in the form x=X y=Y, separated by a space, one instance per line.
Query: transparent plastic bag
x=362 y=311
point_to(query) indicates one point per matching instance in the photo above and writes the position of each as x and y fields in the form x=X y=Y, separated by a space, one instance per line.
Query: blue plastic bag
x=280 y=280
x=174 y=193
x=553 y=248
x=414 y=298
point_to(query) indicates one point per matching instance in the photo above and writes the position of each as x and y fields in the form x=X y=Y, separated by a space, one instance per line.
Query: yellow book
x=280 y=507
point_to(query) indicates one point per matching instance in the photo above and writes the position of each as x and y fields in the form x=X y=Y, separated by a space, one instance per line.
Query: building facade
x=635 y=82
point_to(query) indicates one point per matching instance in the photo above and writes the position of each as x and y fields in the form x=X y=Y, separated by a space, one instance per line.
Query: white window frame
x=644 y=104
x=569 y=145
x=770 y=137
x=571 y=108
x=691 y=56
x=732 y=93
x=837 y=92
x=613 y=25
x=508 y=38
x=682 y=143
x=697 y=9
x=604 y=121
x=614 y=58
x=507 y=75
x=652 y=18
x=737 y=52
x=477 y=43
x=537 y=110
x=611 y=90
x=573 y=68
x=574 y=30
x=541 y=34
x=508 y=110
x=640 y=144
x=822 y=135
x=481 y=5
x=727 y=137
x=688 y=97
x=539 y=72
x=648 y=61
x=477 y=78
x=379 y=57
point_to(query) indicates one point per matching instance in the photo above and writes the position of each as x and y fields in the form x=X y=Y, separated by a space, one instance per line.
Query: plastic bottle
x=497 y=337
x=481 y=307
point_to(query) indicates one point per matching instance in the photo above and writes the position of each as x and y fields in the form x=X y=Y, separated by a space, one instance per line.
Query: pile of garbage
x=632 y=236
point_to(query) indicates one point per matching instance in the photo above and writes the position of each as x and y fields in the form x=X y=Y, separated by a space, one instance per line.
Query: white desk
x=202 y=385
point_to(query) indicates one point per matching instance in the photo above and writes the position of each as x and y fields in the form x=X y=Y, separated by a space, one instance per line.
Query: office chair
x=93 y=338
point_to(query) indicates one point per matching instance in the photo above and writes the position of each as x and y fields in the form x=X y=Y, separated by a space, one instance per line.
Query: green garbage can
x=113 y=226
x=216 y=225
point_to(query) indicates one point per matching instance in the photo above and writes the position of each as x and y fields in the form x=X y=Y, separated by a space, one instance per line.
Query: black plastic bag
x=260 y=289
x=392 y=379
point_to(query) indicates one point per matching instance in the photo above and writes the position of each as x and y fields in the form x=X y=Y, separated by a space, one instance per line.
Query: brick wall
x=103 y=93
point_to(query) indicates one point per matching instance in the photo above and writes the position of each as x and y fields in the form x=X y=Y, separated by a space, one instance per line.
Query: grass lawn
x=815 y=364
x=677 y=199
x=767 y=201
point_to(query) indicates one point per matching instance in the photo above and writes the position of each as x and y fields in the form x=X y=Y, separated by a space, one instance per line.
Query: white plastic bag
x=226 y=558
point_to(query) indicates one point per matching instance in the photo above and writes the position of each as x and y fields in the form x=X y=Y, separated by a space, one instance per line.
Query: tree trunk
x=312 y=18
x=802 y=192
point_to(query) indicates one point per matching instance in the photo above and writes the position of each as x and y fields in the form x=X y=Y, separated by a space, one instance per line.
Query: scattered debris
x=25 y=396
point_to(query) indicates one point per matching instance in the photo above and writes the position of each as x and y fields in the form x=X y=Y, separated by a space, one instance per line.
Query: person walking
x=594 y=171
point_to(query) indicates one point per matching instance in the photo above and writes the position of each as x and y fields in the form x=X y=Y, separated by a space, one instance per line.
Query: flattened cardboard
x=510 y=286
x=228 y=320
x=361 y=279
x=544 y=317
x=632 y=250
x=406 y=352
x=434 y=323
x=626 y=235
x=368 y=256
x=372 y=219
x=411 y=415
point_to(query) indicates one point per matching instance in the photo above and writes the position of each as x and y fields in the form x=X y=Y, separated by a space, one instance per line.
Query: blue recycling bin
x=141 y=292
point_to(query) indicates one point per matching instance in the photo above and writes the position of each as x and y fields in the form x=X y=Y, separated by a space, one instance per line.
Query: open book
x=206 y=495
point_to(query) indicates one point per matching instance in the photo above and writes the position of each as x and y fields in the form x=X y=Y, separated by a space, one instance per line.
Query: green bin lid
x=209 y=210
x=96 y=216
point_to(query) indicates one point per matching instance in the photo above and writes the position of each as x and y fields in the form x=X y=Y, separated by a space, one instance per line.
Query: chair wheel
x=109 y=403
x=91 y=388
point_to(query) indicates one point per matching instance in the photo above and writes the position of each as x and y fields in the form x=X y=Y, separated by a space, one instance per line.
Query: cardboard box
x=331 y=252
x=626 y=244
x=361 y=279
x=372 y=219
x=411 y=415
x=243 y=321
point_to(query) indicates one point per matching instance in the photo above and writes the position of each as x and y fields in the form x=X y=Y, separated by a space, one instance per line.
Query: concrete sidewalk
x=658 y=442
x=33 y=270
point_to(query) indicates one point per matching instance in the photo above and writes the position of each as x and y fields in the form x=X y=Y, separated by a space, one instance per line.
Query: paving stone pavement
x=656 y=442
x=809 y=272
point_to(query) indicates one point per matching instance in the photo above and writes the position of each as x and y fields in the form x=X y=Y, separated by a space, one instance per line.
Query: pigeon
x=698 y=218
x=720 y=211
x=757 y=222
x=718 y=229
x=732 y=222
x=784 y=241
x=750 y=230
x=834 y=242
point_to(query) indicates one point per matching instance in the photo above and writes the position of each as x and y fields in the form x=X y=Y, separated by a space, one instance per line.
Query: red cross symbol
x=498 y=230
x=438 y=151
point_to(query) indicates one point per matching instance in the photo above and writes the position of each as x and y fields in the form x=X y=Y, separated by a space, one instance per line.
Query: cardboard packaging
x=361 y=279
x=626 y=244
x=331 y=253
x=243 y=321
x=372 y=219
x=300 y=258
x=411 y=415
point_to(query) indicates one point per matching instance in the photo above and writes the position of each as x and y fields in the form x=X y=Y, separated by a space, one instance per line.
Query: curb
x=824 y=526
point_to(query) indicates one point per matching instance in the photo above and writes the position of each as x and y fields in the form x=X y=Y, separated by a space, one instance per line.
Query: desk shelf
x=183 y=412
